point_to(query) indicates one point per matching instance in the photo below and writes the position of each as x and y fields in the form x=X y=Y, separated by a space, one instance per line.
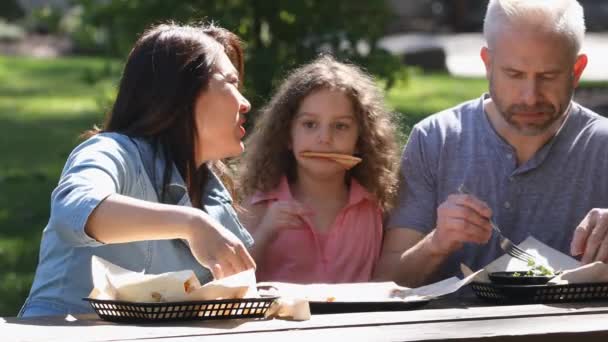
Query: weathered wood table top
x=440 y=320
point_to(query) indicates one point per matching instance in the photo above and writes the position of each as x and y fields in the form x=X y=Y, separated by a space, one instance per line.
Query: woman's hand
x=217 y=248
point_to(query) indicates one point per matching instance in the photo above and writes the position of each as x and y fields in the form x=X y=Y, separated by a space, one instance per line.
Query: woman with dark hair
x=145 y=192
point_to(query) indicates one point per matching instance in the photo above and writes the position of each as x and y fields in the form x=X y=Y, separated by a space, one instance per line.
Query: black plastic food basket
x=527 y=294
x=128 y=312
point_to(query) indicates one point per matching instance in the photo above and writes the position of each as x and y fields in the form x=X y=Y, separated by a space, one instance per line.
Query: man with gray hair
x=531 y=159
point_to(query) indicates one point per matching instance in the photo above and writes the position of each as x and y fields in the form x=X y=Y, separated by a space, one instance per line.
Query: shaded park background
x=46 y=102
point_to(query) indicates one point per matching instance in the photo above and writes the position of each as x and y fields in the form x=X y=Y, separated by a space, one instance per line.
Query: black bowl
x=509 y=278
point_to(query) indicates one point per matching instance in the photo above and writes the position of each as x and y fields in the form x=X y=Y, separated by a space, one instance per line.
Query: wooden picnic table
x=440 y=320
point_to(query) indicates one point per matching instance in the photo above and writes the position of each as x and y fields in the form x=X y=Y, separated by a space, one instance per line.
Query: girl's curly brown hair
x=268 y=157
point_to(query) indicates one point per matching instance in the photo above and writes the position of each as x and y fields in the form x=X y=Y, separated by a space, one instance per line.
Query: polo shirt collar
x=357 y=193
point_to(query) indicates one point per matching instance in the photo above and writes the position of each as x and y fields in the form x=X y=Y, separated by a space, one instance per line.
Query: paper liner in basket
x=113 y=282
x=571 y=270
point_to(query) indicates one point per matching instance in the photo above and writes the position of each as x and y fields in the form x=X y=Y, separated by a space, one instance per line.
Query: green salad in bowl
x=536 y=274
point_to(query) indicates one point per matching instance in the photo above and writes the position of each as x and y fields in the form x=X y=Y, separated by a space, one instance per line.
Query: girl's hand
x=217 y=248
x=282 y=215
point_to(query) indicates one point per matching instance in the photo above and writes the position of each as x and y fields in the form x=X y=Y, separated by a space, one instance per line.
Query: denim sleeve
x=416 y=206
x=97 y=168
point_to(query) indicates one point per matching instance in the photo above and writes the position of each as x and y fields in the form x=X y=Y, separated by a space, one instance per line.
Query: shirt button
x=507 y=205
x=509 y=156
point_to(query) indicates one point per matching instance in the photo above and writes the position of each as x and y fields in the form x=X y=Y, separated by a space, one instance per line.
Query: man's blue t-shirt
x=546 y=197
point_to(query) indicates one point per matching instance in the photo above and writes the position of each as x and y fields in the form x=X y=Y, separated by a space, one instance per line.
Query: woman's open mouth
x=241 y=127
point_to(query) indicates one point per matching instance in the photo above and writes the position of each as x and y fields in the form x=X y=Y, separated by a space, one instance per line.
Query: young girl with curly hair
x=314 y=219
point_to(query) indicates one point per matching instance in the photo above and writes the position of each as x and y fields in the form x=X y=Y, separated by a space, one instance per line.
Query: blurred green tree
x=278 y=34
x=10 y=10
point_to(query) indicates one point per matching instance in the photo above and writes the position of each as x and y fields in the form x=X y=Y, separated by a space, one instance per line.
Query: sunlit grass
x=426 y=94
x=44 y=105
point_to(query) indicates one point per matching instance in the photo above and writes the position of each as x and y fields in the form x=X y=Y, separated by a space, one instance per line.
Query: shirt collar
x=282 y=192
x=154 y=161
x=176 y=189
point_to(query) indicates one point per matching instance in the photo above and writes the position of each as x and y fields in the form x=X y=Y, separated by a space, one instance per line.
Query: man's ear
x=487 y=60
x=579 y=67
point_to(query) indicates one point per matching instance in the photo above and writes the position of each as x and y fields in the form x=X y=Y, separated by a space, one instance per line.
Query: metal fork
x=506 y=244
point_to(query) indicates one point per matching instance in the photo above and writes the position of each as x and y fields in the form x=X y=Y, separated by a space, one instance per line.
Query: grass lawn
x=46 y=104
x=427 y=94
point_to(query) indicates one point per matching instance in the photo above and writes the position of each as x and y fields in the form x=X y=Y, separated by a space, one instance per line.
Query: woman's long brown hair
x=168 y=67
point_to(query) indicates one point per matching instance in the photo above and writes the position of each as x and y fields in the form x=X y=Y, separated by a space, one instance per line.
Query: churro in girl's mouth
x=346 y=160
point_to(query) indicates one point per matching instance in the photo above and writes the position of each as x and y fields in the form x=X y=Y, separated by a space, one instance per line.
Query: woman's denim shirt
x=105 y=164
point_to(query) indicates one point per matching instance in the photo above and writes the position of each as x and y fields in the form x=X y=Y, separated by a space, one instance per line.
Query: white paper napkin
x=346 y=292
x=364 y=292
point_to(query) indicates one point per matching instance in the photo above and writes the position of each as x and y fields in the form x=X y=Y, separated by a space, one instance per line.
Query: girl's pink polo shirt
x=346 y=253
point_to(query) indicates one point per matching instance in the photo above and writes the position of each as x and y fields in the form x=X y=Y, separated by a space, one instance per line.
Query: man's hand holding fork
x=461 y=218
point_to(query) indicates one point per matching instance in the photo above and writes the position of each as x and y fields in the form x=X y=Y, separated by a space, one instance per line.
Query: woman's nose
x=245 y=106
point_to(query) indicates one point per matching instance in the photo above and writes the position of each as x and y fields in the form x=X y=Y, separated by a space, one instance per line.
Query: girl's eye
x=309 y=124
x=342 y=126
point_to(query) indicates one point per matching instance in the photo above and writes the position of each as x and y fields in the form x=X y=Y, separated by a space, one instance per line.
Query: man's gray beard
x=530 y=130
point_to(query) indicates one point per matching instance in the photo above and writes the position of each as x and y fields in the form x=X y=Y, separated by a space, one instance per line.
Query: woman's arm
x=121 y=219
x=90 y=205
